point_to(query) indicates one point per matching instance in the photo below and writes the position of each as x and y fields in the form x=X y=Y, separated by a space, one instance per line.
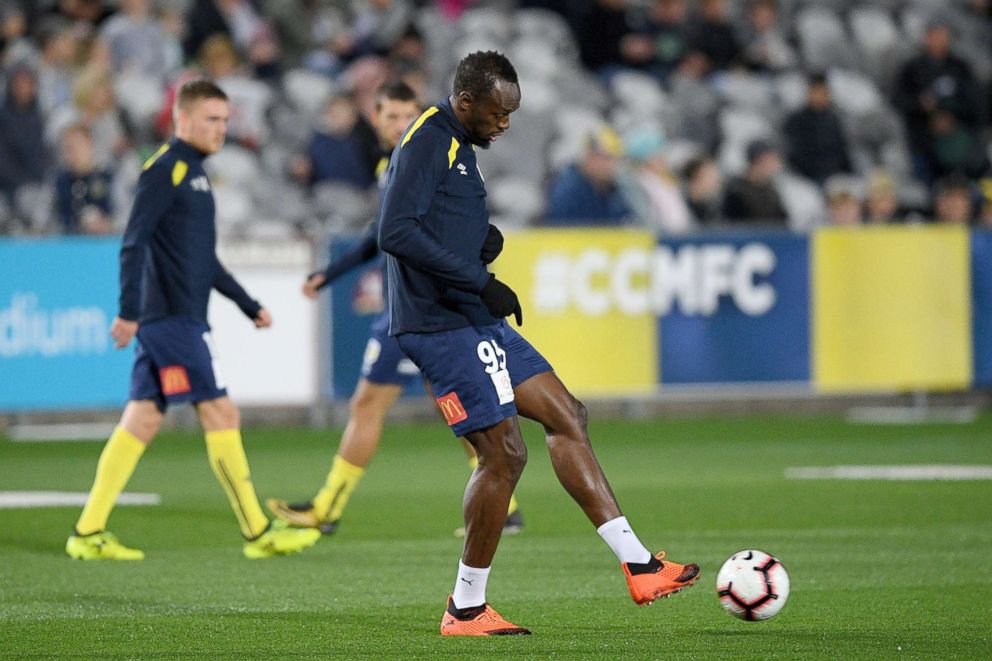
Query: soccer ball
x=752 y=585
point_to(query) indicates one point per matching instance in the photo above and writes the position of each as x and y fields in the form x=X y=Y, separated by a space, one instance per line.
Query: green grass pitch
x=879 y=569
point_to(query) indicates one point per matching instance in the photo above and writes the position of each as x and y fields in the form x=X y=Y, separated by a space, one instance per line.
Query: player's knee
x=579 y=414
x=146 y=426
x=514 y=455
x=365 y=406
x=219 y=414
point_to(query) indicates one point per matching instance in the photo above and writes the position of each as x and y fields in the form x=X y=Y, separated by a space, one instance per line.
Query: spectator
x=82 y=190
x=84 y=11
x=249 y=98
x=293 y=23
x=935 y=78
x=340 y=150
x=954 y=147
x=882 y=204
x=14 y=44
x=713 y=35
x=378 y=25
x=704 y=190
x=57 y=43
x=753 y=197
x=587 y=193
x=234 y=19
x=765 y=45
x=697 y=102
x=603 y=34
x=661 y=35
x=23 y=155
x=952 y=200
x=844 y=202
x=817 y=147
x=95 y=107
x=138 y=43
x=653 y=192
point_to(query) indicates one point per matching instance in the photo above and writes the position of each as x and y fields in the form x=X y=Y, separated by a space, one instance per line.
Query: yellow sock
x=227 y=458
x=330 y=501
x=514 y=505
x=117 y=461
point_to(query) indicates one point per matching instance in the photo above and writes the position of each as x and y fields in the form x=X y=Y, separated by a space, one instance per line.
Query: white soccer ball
x=752 y=585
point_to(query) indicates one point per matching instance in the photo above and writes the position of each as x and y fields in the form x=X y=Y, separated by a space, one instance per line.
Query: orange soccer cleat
x=656 y=578
x=478 y=621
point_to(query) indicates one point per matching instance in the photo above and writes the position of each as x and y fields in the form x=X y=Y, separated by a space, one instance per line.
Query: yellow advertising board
x=585 y=303
x=891 y=309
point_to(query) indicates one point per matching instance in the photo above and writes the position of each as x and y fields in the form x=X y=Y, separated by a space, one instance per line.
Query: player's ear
x=465 y=100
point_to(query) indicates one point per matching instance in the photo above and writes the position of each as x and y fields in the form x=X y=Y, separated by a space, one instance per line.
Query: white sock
x=470 y=586
x=618 y=534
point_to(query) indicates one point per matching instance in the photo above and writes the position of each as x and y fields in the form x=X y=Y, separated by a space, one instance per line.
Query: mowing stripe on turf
x=28 y=499
x=891 y=473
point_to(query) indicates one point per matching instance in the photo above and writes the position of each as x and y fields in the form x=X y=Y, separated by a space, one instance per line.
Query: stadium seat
x=307 y=91
x=823 y=41
x=803 y=202
x=139 y=96
x=487 y=22
x=854 y=93
x=879 y=41
x=233 y=165
x=518 y=200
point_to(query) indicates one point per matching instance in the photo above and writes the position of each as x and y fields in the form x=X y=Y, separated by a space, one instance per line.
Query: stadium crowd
x=675 y=115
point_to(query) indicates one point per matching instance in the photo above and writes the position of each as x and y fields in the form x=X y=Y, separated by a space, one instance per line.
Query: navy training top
x=168 y=256
x=432 y=225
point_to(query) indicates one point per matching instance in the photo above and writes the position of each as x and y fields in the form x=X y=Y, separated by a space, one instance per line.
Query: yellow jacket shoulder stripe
x=154 y=157
x=417 y=124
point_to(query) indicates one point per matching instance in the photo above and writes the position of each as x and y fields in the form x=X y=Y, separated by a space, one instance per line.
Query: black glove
x=500 y=300
x=492 y=246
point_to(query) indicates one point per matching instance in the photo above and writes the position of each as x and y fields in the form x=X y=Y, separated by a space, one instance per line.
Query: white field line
x=30 y=499
x=891 y=473
x=76 y=431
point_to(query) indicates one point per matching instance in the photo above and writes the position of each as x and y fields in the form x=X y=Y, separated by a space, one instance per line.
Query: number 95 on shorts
x=473 y=371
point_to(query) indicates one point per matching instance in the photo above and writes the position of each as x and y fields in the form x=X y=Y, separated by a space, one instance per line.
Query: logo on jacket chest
x=200 y=184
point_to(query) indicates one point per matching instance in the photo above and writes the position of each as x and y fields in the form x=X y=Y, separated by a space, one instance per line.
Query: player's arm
x=151 y=201
x=230 y=288
x=419 y=169
x=364 y=251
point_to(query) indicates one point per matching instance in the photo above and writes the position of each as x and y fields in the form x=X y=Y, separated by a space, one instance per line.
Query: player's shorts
x=384 y=362
x=473 y=371
x=175 y=362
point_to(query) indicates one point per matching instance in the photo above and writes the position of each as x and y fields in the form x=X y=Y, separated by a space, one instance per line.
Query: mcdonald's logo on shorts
x=174 y=380
x=451 y=408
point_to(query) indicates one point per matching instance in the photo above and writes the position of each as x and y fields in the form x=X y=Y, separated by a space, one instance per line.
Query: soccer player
x=168 y=267
x=448 y=314
x=385 y=370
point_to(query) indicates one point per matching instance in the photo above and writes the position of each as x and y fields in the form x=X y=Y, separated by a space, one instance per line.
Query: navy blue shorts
x=175 y=362
x=384 y=362
x=473 y=371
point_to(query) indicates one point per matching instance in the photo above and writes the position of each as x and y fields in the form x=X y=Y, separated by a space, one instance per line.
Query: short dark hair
x=196 y=90
x=394 y=91
x=478 y=72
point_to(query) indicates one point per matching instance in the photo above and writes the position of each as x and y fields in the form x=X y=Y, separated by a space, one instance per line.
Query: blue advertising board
x=981 y=305
x=733 y=308
x=356 y=301
x=57 y=299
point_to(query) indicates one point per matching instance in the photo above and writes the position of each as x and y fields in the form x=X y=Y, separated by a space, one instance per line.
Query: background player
x=447 y=313
x=385 y=370
x=168 y=267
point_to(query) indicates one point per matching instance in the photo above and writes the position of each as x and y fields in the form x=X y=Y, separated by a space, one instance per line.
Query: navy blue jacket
x=432 y=225
x=168 y=258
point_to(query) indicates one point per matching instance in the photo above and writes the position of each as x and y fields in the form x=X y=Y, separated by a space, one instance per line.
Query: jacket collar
x=186 y=150
x=456 y=125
